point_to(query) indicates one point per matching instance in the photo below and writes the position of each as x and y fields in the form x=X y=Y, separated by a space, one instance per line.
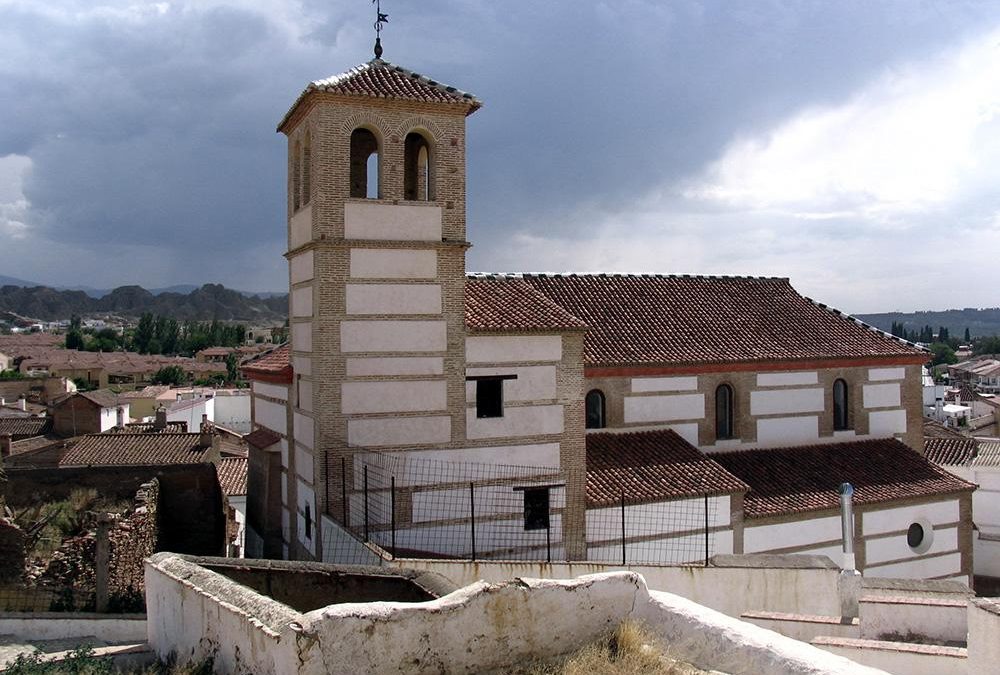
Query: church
x=421 y=411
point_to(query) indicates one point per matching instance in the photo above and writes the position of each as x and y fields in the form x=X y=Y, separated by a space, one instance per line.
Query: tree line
x=943 y=345
x=156 y=334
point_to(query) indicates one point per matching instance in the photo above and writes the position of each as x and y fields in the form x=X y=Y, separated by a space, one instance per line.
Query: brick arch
x=421 y=124
x=368 y=120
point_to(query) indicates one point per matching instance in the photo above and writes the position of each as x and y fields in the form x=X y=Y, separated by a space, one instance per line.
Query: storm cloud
x=850 y=146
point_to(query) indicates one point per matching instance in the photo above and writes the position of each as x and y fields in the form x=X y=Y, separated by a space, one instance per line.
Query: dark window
x=915 y=535
x=296 y=176
x=840 y=409
x=364 y=173
x=536 y=509
x=489 y=397
x=724 y=412
x=416 y=168
x=595 y=409
x=306 y=170
x=309 y=522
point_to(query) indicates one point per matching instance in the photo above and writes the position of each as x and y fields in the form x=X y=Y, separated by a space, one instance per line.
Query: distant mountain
x=978 y=321
x=13 y=281
x=211 y=301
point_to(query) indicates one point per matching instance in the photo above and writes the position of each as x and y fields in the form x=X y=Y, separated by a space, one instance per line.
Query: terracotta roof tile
x=953 y=451
x=511 y=304
x=276 y=362
x=262 y=437
x=25 y=427
x=704 y=319
x=651 y=466
x=933 y=429
x=987 y=453
x=232 y=475
x=131 y=449
x=382 y=79
x=806 y=478
x=149 y=428
x=105 y=398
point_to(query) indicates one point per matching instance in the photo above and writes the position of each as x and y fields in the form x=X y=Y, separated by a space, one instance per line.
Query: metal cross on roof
x=380 y=19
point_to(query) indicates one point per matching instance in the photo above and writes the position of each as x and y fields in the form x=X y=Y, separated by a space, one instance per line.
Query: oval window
x=915 y=535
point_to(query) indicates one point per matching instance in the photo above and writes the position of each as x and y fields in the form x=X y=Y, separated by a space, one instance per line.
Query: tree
x=144 y=333
x=943 y=334
x=943 y=353
x=968 y=338
x=173 y=375
x=74 y=336
x=233 y=367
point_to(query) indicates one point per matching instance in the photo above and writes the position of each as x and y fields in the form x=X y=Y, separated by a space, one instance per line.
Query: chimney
x=22 y=402
x=5 y=445
x=160 y=423
x=207 y=432
x=121 y=417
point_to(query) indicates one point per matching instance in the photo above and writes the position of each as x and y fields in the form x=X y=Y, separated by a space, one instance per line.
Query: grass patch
x=629 y=650
x=82 y=661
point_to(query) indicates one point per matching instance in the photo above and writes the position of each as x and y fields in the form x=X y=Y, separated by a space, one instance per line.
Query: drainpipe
x=846 y=491
x=850 y=579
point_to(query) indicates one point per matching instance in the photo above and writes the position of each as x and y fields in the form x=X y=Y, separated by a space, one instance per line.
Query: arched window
x=364 y=164
x=306 y=169
x=417 y=167
x=724 y=427
x=296 y=175
x=841 y=418
x=595 y=409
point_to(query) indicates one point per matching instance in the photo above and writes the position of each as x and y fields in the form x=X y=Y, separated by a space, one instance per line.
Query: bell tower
x=376 y=256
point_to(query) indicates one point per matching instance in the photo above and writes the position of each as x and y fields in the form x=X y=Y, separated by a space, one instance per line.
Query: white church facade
x=617 y=418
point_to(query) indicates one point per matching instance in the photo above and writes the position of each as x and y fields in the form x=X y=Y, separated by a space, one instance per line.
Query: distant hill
x=13 y=281
x=211 y=301
x=978 y=321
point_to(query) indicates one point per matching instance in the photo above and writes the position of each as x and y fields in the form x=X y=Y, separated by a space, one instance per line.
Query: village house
x=594 y=417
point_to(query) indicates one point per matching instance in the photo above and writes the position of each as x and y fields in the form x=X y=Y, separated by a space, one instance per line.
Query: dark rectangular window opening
x=536 y=508
x=489 y=397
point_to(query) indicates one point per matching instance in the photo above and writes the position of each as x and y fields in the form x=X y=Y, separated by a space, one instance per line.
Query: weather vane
x=380 y=19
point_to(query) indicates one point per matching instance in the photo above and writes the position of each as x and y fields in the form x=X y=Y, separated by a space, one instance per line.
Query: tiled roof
x=35 y=443
x=132 y=449
x=933 y=429
x=806 y=478
x=511 y=304
x=25 y=427
x=381 y=79
x=232 y=475
x=953 y=451
x=702 y=319
x=151 y=391
x=149 y=428
x=262 y=437
x=651 y=466
x=987 y=453
x=274 y=362
x=104 y=398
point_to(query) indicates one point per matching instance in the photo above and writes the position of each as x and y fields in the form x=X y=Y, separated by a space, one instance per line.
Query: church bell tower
x=376 y=257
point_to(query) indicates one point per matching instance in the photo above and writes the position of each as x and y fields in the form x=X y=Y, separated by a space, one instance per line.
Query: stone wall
x=11 y=551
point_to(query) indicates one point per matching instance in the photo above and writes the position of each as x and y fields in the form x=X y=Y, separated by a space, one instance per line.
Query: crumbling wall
x=11 y=551
x=132 y=540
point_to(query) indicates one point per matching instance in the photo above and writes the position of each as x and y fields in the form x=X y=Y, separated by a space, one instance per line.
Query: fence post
x=623 y=528
x=343 y=491
x=548 y=535
x=706 y=529
x=472 y=512
x=102 y=560
x=392 y=508
x=366 y=502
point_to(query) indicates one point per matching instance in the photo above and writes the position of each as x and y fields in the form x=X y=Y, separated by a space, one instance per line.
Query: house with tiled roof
x=588 y=415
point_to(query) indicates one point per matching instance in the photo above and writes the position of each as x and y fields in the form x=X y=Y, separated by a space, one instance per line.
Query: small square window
x=536 y=509
x=489 y=397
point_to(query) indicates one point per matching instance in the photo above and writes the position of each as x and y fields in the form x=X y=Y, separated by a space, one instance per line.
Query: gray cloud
x=149 y=127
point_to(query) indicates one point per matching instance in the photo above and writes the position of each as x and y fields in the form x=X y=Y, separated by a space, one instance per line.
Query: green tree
x=74 y=336
x=943 y=335
x=233 y=367
x=144 y=333
x=968 y=338
x=943 y=353
x=169 y=375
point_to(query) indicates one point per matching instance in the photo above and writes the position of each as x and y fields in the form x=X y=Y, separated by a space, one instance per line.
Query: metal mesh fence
x=395 y=505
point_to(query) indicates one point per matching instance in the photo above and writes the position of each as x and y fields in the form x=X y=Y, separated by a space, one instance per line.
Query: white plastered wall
x=374 y=221
x=393 y=264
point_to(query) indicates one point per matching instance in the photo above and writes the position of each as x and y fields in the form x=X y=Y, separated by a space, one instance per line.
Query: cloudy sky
x=851 y=146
